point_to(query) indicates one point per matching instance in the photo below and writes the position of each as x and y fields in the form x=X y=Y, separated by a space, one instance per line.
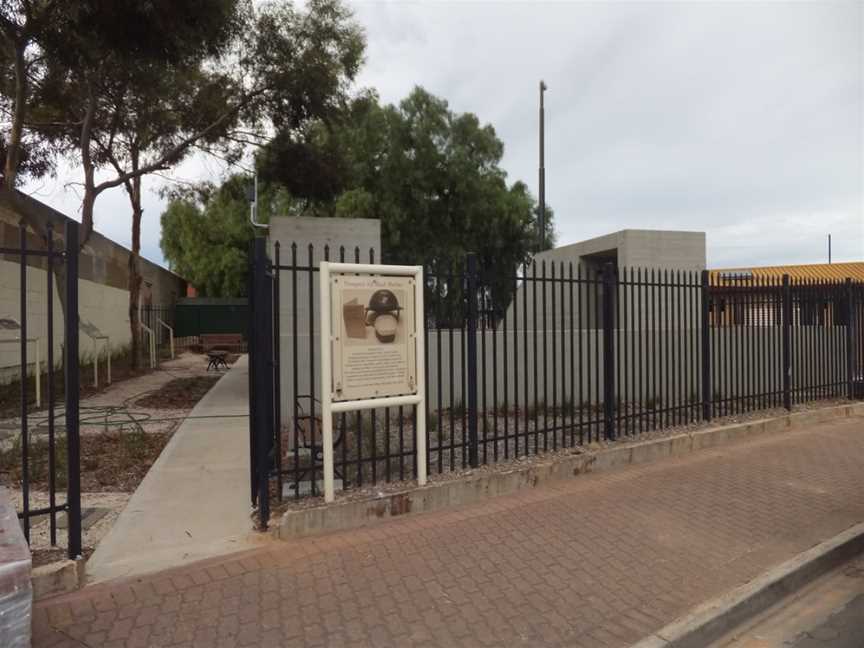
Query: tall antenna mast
x=541 y=234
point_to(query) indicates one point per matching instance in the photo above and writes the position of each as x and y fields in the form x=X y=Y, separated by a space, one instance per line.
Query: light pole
x=541 y=234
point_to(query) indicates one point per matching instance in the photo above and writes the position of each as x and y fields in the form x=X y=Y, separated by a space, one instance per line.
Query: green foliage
x=207 y=241
x=206 y=233
x=432 y=176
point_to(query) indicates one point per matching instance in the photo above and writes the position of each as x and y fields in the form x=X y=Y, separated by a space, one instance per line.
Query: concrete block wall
x=659 y=347
x=102 y=287
x=362 y=233
x=675 y=257
x=659 y=366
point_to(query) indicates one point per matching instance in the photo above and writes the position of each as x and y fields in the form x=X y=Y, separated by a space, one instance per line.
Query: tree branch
x=163 y=162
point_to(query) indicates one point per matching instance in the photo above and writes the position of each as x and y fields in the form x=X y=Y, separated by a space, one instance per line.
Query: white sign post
x=371 y=348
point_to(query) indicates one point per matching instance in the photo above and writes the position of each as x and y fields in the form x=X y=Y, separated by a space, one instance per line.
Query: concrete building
x=684 y=251
x=817 y=293
x=627 y=250
x=358 y=236
x=102 y=289
x=667 y=249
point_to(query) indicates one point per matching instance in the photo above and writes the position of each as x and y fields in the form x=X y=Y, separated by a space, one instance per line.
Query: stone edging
x=57 y=578
x=356 y=513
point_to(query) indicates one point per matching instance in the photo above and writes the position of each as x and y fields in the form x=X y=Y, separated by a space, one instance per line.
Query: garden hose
x=107 y=416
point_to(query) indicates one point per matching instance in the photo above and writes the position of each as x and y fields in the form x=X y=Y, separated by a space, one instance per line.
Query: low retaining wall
x=356 y=513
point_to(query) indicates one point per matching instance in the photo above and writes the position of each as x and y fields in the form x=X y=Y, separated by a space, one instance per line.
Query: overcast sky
x=741 y=119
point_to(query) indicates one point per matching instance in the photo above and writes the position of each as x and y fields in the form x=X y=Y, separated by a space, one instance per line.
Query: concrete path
x=194 y=502
x=829 y=613
x=598 y=561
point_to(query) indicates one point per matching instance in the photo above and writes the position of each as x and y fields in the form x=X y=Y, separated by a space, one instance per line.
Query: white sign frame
x=328 y=406
x=348 y=352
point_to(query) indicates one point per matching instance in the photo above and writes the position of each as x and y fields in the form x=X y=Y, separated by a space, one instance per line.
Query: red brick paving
x=598 y=561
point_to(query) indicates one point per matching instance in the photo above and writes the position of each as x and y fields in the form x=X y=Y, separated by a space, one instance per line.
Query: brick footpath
x=597 y=561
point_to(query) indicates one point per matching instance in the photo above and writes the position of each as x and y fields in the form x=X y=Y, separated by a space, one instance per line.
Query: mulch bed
x=10 y=395
x=111 y=462
x=180 y=393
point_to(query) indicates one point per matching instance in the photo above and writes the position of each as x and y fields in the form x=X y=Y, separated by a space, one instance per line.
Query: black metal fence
x=53 y=435
x=559 y=355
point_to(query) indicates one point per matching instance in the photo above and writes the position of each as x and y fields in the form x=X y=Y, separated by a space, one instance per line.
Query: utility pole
x=541 y=234
x=829 y=249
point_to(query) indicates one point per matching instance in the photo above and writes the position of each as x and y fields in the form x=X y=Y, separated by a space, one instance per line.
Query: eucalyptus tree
x=131 y=89
x=433 y=177
x=24 y=25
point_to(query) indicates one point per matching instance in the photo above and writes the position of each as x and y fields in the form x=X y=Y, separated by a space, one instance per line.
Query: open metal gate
x=56 y=425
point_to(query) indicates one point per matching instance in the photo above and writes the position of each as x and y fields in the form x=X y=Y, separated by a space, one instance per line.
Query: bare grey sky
x=742 y=119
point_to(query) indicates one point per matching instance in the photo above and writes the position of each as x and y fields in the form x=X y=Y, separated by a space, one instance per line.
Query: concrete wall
x=673 y=257
x=364 y=234
x=659 y=343
x=102 y=289
x=661 y=367
x=666 y=249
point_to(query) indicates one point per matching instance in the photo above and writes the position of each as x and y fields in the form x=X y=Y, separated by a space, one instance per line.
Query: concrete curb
x=713 y=620
x=356 y=513
x=57 y=578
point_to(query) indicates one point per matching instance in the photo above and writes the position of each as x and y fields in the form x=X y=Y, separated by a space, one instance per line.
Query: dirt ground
x=124 y=428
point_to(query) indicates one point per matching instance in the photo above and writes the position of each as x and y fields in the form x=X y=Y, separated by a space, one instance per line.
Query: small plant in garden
x=534 y=409
x=133 y=443
x=11 y=469
x=457 y=409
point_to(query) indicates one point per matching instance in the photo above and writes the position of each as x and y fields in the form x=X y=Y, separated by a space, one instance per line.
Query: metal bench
x=217 y=358
x=222 y=342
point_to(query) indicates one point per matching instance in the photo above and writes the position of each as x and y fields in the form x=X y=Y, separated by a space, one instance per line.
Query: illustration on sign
x=374 y=341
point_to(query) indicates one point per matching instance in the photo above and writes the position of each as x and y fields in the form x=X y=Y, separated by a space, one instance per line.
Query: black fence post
x=262 y=380
x=70 y=367
x=787 y=343
x=25 y=437
x=277 y=373
x=610 y=295
x=252 y=354
x=707 y=388
x=471 y=332
x=850 y=338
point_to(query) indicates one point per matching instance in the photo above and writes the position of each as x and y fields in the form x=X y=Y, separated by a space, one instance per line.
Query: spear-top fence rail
x=53 y=434
x=556 y=355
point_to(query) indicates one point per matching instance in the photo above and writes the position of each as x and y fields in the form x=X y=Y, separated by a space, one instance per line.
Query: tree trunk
x=135 y=285
x=13 y=146
x=91 y=191
x=133 y=188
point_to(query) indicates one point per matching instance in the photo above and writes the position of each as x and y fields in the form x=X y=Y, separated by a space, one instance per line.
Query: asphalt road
x=843 y=629
x=829 y=613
